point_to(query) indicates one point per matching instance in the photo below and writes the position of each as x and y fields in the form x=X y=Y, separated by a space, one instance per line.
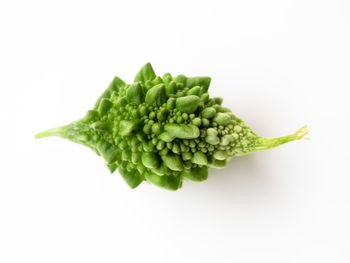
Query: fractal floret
x=164 y=129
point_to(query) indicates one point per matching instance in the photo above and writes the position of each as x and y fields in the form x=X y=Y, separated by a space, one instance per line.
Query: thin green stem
x=51 y=132
x=267 y=143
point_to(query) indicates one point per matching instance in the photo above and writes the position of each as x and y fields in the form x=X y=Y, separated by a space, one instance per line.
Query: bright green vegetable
x=162 y=130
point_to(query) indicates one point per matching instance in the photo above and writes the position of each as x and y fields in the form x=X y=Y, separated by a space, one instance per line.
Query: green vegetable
x=162 y=130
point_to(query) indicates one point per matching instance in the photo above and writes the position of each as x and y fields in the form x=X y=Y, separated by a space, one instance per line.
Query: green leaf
x=169 y=182
x=197 y=174
x=115 y=85
x=145 y=73
x=108 y=151
x=132 y=178
x=112 y=167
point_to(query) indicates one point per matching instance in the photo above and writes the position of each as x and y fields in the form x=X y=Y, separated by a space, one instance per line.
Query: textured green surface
x=164 y=129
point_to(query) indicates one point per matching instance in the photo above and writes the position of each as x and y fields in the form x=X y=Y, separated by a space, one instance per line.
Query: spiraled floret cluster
x=164 y=129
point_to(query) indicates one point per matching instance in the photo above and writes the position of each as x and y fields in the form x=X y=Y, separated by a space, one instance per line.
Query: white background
x=278 y=64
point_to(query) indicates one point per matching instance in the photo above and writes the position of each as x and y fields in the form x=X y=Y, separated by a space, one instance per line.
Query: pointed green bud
x=167 y=137
x=146 y=73
x=181 y=131
x=218 y=100
x=127 y=127
x=197 y=121
x=164 y=151
x=212 y=139
x=199 y=158
x=223 y=109
x=143 y=110
x=188 y=104
x=162 y=115
x=104 y=106
x=194 y=91
x=180 y=79
x=171 y=88
x=220 y=155
x=147 y=128
x=208 y=113
x=205 y=122
x=156 y=128
x=140 y=168
x=186 y=156
x=91 y=115
x=237 y=128
x=217 y=164
x=157 y=80
x=204 y=82
x=152 y=115
x=167 y=78
x=205 y=98
x=212 y=132
x=170 y=104
x=156 y=95
x=101 y=125
x=222 y=119
x=134 y=93
x=160 y=145
x=172 y=161
x=226 y=139
x=135 y=157
x=176 y=148
x=161 y=170
x=150 y=160
x=114 y=86
x=126 y=156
